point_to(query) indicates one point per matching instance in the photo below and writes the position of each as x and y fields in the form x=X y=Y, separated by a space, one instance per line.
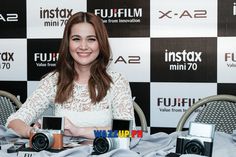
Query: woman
x=81 y=88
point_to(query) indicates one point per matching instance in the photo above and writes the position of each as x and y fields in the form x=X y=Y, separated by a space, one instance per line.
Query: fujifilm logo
x=119 y=13
x=184 y=60
x=9 y=17
x=230 y=58
x=173 y=102
x=46 y=57
x=55 y=13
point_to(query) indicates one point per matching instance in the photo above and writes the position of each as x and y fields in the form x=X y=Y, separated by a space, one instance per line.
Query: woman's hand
x=69 y=128
x=37 y=125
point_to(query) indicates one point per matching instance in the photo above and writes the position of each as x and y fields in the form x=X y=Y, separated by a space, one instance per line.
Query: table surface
x=155 y=145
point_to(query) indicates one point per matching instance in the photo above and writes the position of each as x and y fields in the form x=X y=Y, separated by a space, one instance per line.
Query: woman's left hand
x=37 y=125
x=69 y=128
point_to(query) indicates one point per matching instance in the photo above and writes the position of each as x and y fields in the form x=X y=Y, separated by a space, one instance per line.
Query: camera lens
x=42 y=141
x=194 y=147
x=101 y=145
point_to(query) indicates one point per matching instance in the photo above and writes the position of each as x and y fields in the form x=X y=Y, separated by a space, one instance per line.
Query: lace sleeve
x=122 y=103
x=37 y=103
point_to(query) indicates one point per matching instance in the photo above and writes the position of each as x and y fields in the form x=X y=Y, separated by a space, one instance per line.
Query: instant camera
x=198 y=141
x=102 y=145
x=50 y=136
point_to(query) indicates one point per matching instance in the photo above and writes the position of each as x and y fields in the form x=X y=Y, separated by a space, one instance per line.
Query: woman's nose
x=83 y=45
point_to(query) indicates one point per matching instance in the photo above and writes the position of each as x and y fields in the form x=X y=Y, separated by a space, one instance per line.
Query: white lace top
x=79 y=109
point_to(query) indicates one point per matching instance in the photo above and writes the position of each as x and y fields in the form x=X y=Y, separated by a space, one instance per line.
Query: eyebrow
x=87 y=36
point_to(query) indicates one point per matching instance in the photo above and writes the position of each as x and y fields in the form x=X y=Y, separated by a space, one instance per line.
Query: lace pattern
x=118 y=102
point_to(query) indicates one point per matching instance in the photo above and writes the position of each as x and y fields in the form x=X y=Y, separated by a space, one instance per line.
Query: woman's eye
x=75 y=39
x=92 y=39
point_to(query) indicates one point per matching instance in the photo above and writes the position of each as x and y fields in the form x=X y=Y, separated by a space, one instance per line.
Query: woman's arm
x=122 y=102
x=20 y=127
x=87 y=132
x=33 y=107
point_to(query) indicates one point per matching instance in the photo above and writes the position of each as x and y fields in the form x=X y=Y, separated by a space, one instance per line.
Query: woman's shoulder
x=50 y=75
x=50 y=78
x=116 y=76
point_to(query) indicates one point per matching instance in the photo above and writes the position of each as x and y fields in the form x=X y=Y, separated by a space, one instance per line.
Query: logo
x=127 y=60
x=173 y=102
x=120 y=15
x=229 y=58
x=170 y=104
x=9 y=17
x=5 y=60
x=193 y=14
x=54 y=17
x=46 y=59
x=184 y=60
x=118 y=133
x=13 y=19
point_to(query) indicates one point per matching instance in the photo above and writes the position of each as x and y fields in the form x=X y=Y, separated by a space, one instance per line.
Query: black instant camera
x=198 y=141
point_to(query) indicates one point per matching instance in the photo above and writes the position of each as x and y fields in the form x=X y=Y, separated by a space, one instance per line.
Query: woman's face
x=83 y=44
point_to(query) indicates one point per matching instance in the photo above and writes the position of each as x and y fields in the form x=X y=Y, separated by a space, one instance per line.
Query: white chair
x=217 y=109
x=141 y=116
x=8 y=105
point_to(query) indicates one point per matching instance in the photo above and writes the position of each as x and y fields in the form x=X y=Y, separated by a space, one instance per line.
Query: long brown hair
x=100 y=81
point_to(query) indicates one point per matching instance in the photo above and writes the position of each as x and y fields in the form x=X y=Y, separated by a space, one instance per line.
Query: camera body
x=46 y=139
x=50 y=136
x=102 y=145
x=194 y=145
x=198 y=141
